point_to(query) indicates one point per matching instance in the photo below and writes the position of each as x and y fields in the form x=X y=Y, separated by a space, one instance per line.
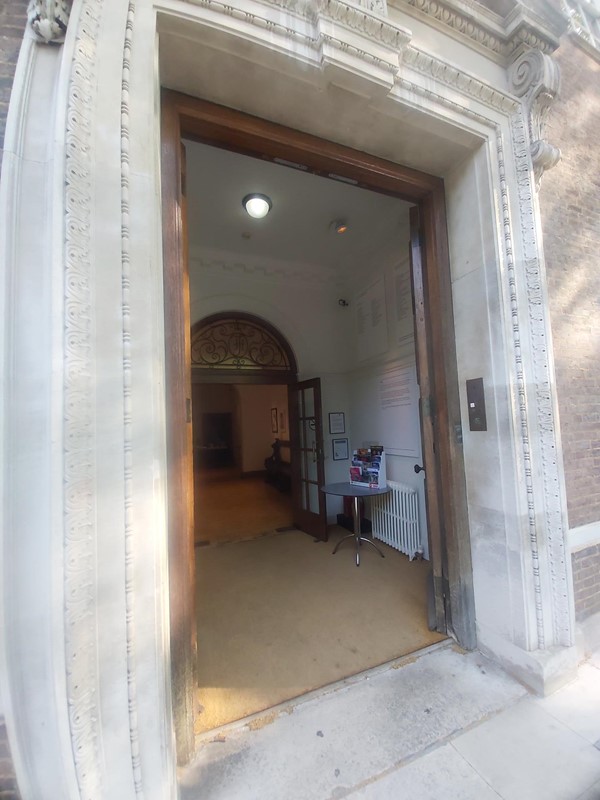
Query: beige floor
x=280 y=615
x=229 y=508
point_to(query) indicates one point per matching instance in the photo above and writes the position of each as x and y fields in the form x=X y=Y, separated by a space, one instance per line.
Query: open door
x=437 y=594
x=179 y=438
x=308 y=468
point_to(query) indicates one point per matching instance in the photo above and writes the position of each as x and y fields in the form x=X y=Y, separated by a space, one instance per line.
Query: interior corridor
x=229 y=508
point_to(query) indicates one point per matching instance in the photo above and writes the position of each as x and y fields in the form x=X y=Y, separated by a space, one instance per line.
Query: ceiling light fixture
x=257 y=205
x=339 y=226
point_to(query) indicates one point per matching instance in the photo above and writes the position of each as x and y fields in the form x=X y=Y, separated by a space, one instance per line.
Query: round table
x=355 y=492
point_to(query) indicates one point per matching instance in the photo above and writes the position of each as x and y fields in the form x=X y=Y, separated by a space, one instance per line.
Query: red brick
x=570 y=208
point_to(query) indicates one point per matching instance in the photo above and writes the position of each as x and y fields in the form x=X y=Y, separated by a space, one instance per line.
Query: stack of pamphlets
x=368 y=467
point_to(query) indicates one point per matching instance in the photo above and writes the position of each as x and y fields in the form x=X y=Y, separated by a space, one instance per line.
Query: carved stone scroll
x=535 y=77
x=49 y=19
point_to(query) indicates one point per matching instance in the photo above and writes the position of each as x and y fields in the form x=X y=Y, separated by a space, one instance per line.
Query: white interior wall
x=255 y=403
x=304 y=309
x=323 y=335
x=396 y=427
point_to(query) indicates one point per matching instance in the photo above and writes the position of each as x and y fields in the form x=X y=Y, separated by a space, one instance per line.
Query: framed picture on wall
x=340 y=449
x=337 y=422
x=274 y=425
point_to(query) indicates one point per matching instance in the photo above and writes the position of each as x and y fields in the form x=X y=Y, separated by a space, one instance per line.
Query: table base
x=358 y=540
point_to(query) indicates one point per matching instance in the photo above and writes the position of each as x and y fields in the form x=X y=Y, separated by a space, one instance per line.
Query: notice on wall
x=399 y=404
x=371 y=321
x=396 y=388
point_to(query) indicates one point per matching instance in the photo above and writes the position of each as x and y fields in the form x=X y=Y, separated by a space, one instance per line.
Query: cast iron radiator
x=395 y=519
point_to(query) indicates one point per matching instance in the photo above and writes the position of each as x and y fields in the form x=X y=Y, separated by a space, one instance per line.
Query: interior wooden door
x=428 y=433
x=308 y=468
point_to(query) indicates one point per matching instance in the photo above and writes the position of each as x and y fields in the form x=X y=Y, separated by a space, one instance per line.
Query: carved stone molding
x=535 y=78
x=129 y=547
x=501 y=37
x=545 y=507
x=584 y=24
x=360 y=19
x=457 y=79
x=550 y=513
x=80 y=591
x=49 y=19
x=378 y=6
x=364 y=18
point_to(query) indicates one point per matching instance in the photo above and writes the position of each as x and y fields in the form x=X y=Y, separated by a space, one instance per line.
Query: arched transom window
x=237 y=346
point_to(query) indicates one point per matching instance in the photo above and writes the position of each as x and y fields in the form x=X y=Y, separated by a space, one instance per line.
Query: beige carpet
x=228 y=508
x=280 y=616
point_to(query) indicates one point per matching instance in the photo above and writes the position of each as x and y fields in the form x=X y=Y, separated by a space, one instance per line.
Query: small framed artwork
x=340 y=449
x=274 y=425
x=337 y=422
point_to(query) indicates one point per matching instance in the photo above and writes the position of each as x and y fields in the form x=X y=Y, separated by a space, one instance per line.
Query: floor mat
x=280 y=616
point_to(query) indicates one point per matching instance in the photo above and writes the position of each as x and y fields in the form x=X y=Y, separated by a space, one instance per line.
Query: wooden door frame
x=184 y=116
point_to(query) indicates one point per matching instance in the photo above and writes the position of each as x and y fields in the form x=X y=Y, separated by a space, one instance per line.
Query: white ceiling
x=297 y=229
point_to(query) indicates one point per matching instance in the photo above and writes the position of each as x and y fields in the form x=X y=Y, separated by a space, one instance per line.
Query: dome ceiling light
x=257 y=205
x=339 y=226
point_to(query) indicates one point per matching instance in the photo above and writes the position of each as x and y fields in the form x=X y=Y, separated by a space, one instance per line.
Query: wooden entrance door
x=308 y=468
x=423 y=347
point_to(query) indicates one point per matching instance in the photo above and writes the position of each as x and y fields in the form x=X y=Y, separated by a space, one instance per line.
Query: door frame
x=184 y=116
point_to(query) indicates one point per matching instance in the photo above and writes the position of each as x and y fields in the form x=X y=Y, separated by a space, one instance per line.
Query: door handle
x=419 y=469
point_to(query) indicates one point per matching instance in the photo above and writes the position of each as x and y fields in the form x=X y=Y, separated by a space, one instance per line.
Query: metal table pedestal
x=355 y=492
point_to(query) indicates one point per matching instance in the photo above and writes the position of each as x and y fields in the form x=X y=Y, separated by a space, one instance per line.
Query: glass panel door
x=308 y=470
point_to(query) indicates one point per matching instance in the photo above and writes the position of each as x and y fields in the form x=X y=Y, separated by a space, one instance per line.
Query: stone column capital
x=535 y=78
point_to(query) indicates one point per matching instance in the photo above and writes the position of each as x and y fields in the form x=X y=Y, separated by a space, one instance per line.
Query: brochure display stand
x=368 y=467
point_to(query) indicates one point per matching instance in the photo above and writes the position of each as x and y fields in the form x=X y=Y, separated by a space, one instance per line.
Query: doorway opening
x=241 y=367
x=276 y=615
x=242 y=481
x=357 y=394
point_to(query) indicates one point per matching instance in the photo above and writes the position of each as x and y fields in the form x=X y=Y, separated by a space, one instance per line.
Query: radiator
x=395 y=519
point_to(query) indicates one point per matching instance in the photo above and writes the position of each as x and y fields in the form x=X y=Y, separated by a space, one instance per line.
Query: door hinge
x=427 y=406
x=442 y=586
x=458 y=434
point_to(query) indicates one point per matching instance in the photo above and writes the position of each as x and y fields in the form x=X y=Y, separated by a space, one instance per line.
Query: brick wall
x=586 y=578
x=570 y=206
x=13 y=17
x=12 y=23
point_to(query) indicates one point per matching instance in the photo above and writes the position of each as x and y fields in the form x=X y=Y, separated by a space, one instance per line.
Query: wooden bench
x=278 y=466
